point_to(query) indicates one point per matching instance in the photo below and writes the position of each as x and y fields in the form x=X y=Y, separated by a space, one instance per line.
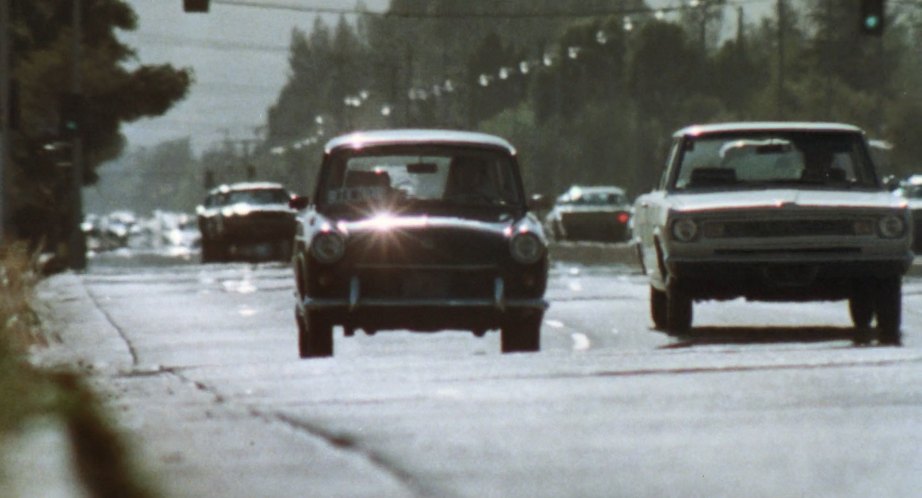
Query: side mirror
x=299 y=203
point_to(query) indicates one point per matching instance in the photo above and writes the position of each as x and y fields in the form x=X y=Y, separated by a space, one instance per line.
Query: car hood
x=383 y=223
x=784 y=198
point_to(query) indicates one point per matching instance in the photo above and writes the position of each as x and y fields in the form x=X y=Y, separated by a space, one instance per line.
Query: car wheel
x=679 y=310
x=861 y=309
x=658 y=310
x=315 y=335
x=888 y=305
x=522 y=334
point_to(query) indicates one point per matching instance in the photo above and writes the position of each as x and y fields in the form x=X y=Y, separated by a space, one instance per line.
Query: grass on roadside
x=26 y=393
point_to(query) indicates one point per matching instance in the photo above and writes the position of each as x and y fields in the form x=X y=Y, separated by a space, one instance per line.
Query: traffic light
x=872 y=17
x=71 y=115
x=195 y=5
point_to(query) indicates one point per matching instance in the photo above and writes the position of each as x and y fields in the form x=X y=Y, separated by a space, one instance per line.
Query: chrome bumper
x=499 y=302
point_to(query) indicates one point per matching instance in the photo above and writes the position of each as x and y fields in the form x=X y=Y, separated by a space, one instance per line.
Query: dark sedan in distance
x=250 y=220
x=596 y=213
x=421 y=230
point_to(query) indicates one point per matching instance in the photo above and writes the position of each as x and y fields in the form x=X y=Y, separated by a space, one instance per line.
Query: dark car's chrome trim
x=460 y=268
x=355 y=300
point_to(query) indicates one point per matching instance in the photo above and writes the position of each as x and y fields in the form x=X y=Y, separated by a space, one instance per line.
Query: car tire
x=315 y=335
x=658 y=308
x=523 y=335
x=679 y=311
x=888 y=306
x=861 y=309
x=208 y=251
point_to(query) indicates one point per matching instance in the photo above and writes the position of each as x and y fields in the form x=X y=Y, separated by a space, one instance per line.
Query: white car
x=912 y=191
x=774 y=212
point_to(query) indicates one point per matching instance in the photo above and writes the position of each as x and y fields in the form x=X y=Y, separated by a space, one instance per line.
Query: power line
x=693 y=4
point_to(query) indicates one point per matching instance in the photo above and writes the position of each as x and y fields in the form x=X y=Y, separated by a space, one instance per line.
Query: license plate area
x=422 y=284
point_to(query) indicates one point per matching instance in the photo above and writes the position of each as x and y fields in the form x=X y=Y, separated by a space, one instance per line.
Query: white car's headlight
x=685 y=229
x=526 y=248
x=891 y=227
x=328 y=247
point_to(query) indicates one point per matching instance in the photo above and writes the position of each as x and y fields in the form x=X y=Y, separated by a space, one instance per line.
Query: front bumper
x=498 y=302
x=781 y=279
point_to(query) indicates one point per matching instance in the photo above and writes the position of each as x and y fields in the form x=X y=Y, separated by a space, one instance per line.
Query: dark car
x=247 y=221
x=422 y=230
x=911 y=189
x=601 y=214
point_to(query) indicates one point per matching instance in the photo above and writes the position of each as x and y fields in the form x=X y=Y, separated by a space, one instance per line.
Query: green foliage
x=116 y=88
x=604 y=109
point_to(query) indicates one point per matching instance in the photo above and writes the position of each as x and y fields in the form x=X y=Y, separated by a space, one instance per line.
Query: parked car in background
x=247 y=221
x=774 y=212
x=911 y=189
x=421 y=230
x=600 y=213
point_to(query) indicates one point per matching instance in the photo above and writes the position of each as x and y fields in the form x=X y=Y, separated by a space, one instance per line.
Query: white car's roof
x=595 y=188
x=417 y=136
x=914 y=180
x=747 y=126
x=249 y=186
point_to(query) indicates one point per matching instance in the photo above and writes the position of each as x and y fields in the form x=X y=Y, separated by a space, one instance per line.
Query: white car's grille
x=780 y=228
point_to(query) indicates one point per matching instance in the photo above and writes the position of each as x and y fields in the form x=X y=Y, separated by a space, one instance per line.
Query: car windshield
x=808 y=159
x=260 y=196
x=442 y=176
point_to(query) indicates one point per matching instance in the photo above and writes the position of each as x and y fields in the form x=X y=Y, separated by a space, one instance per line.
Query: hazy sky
x=239 y=57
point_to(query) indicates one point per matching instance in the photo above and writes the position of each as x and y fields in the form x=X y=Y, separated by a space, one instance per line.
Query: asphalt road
x=199 y=363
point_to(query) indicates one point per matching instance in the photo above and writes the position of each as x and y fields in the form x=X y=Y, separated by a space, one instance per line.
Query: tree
x=114 y=94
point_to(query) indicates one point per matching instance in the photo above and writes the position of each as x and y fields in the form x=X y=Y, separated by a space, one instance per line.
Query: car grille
x=780 y=228
x=419 y=283
x=432 y=247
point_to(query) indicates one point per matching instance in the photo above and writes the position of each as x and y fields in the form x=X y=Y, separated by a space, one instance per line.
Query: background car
x=249 y=220
x=421 y=230
x=911 y=189
x=600 y=213
x=774 y=212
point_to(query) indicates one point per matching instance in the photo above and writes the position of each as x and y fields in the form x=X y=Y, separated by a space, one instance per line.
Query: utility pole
x=5 y=74
x=780 y=89
x=76 y=243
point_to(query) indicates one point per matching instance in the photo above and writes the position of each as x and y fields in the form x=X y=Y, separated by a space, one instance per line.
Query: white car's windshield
x=809 y=159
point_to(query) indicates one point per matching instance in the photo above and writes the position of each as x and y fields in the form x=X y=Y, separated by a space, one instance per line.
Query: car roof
x=596 y=188
x=748 y=126
x=417 y=136
x=914 y=180
x=233 y=187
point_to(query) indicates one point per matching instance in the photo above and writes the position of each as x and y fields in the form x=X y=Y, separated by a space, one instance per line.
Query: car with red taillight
x=590 y=213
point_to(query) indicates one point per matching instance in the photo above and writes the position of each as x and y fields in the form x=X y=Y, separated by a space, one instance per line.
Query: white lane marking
x=575 y=286
x=554 y=323
x=246 y=311
x=244 y=286
x=580 y=342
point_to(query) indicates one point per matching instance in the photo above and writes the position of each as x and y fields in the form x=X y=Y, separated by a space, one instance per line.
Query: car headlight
x=891 y=227
x=526 y=248
x=328 y=247
x=685 y=229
